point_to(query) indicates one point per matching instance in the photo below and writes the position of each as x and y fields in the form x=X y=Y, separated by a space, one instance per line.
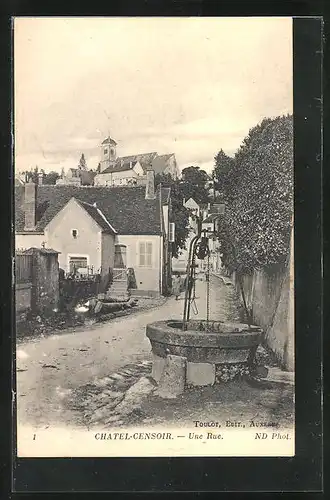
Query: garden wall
x=36 y=280
x=270 y=298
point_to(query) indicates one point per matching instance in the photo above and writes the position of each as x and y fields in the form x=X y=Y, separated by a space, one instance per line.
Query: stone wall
x=23 y=297
x=46 y=270
x=270 y=298
x=41 y=293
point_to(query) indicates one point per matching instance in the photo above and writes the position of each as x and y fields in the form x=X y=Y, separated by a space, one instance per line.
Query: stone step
x=119 y=286
x=119 y=297
x=275 y=374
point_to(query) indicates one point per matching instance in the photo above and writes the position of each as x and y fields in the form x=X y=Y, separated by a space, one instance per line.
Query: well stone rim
x=238 y=335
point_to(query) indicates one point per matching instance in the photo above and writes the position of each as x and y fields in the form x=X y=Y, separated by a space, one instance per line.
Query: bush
x=255 y=231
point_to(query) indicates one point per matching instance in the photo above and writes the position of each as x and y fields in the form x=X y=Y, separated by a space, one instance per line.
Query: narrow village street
x=61 y=377
x=48 y=368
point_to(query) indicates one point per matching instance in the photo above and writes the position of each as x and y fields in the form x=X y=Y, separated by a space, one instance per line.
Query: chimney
x=150 y=186
x=30 y=202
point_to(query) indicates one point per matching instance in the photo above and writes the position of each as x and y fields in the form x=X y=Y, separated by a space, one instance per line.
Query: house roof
x=18 y=182
x=96 y=214
x=44 y=251
x=110 y=141
x=210 y=218
x=119 y=167
x=125 y=208
x=87 y=177
x=144 y=159
x=159 y=163
x=191 y=203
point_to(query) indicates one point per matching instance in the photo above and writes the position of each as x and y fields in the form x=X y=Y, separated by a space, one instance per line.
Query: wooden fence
x=23 y=268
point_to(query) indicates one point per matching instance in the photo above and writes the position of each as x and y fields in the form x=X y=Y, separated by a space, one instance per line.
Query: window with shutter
x=145 y=254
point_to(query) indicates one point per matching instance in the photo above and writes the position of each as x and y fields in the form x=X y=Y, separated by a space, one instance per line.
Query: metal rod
x=191 y=278
x=187 y=284
x=208 y=292
x=190 y=272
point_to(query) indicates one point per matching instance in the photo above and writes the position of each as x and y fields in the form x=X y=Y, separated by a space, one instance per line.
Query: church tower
x=108 y=153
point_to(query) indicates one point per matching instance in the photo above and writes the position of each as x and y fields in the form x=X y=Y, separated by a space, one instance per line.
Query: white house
x=121 y=174
x=100 y=229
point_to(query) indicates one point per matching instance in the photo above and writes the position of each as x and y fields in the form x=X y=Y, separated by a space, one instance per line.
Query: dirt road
x=48 y=368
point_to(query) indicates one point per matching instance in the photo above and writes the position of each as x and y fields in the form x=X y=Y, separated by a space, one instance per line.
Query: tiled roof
x=44 y=251
x=144 y=159
x=119 y=167
x=210 y=218
x=87 y=177
x=125 y=208
x=152 y=160
x=159 y=163
x=93 y=211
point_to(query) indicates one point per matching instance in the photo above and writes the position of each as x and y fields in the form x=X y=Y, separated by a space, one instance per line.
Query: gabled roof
x=96 y=214
x=191 y=203
x=125 y=208
x=145 y=161
x=110 y=141
x=210 y=218
x=144 y=158
x=87 y=177
x=159 y=163
x=44 y=251
x=18 y=181
x=119 y=167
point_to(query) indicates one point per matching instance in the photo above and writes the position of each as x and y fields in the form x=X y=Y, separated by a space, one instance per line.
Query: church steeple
x=108 y=153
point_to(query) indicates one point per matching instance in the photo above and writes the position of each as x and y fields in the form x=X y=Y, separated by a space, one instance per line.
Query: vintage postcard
x=154 y=272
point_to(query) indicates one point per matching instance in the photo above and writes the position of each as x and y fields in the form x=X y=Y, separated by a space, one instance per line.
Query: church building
x=131 y=170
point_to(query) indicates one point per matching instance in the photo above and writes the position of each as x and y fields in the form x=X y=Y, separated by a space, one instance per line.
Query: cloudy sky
x=185 y=85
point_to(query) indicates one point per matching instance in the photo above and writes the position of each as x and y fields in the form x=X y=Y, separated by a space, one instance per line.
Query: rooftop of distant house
x=125 y=208
x=152 y=160
x=144 y=159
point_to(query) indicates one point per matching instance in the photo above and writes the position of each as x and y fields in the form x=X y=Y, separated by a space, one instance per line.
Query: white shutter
x=171 y=237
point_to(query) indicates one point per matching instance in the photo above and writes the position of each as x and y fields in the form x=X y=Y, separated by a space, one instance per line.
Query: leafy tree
x=32 y=174
x=222 y=168
x=180 y=214
x=255 y=231
x=51 y=178
x=82 y=162
x=193 y=184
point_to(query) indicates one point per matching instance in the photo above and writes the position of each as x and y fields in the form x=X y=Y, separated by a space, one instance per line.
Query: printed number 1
x=34 y=437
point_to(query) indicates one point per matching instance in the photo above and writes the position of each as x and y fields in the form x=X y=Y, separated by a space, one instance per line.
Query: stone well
x=212 y=352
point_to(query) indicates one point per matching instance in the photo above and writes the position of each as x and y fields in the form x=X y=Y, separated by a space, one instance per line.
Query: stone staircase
x=118 y=290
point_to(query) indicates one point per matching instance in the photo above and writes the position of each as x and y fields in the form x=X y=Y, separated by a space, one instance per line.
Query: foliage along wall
x=258 y=191
x=257 y=229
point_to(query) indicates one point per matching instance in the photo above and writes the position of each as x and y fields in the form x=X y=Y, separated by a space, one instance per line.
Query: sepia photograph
x=154 y=223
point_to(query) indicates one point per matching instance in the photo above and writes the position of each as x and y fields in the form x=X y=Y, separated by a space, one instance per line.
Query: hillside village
x=97 y=246
x=109 y=220
x=112 y=170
